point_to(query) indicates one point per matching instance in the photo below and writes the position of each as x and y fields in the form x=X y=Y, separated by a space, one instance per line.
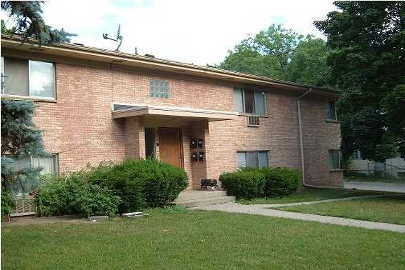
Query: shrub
x=73 y=195
x=280 y=181
x=141 y=183
x=253 y=182
x=7 y=203
x=245 y=183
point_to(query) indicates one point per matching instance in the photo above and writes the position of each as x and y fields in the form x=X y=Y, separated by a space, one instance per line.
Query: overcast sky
x=192 y=31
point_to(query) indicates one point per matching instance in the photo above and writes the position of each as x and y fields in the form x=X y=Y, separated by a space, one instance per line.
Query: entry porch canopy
x=169 y=114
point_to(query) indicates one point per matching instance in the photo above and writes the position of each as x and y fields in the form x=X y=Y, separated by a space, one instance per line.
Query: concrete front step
x=205 y=202
x=194 y=198
x=197 y=194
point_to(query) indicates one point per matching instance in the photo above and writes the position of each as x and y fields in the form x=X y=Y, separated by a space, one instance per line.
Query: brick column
x=135 y=138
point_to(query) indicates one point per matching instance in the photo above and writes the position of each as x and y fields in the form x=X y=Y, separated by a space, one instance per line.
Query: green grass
x=359 y=177
x=308 y=194
x=389 y=209
x=182 y=239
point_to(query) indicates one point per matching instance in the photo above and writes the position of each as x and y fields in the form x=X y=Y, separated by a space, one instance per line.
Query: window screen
x=263 y=159
x=49 y=165
x=260 y=105
x=159 y=88
x=241 y=159
x=238 y=99
x=42 y=79
x=15 y=77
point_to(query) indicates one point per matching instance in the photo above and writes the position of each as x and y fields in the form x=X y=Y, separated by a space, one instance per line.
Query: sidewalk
x=257 y=209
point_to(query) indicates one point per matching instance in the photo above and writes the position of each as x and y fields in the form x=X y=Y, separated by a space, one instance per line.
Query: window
x=331 y=111
x=24 y=185
x=159 y=88
x=22 y=77
x=335 y=159
x=253 y=159
x=249 y=101
x=357 y=155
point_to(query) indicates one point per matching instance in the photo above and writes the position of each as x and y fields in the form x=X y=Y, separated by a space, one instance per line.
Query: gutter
x=301 y=137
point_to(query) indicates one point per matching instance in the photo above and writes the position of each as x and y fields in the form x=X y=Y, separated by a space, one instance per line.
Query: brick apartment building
x=96 y=105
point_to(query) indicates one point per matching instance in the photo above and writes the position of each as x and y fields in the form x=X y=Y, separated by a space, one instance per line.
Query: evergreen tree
x=29 y=22
x=19 y=140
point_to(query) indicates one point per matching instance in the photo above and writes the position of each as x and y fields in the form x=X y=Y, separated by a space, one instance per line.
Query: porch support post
x=135 y=138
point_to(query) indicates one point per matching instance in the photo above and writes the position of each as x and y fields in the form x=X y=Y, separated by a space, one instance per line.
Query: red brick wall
x=80 y=128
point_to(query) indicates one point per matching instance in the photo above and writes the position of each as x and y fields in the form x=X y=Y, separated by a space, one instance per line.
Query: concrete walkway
x=376 y=186
x=259 y=210
x=278 y=205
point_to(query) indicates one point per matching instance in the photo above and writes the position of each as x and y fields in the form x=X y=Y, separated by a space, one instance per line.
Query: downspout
x=301 y=137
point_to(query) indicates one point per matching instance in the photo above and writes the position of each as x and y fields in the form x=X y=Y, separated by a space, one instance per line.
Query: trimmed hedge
x=264 y=182
x=141 y=183
x=280 y=181
x=244 y=183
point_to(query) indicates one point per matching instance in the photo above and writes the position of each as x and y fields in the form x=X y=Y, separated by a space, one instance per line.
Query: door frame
x=181 y=151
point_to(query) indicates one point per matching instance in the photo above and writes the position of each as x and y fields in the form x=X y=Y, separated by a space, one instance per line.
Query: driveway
x=376 y=186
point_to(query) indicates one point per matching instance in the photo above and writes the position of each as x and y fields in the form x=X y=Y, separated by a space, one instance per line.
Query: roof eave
x=116 y=58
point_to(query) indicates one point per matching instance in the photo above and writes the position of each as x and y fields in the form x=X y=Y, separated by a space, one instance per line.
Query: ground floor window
x=253 y=159
x=335 y=159
x=25 y=185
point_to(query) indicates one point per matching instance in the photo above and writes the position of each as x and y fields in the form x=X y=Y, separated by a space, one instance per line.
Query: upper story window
x=331 y=111
x=253 y=159
x=21 y=77
x=159 y=88
x=249 y=101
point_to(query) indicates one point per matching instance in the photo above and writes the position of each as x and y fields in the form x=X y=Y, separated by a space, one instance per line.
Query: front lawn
x=389 y=209
x=309 y=194
x=182 y=239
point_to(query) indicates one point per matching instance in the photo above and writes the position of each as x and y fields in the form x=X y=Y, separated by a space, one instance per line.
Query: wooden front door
x=170 y=147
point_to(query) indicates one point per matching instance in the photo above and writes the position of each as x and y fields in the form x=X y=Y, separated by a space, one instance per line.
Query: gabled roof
x=150 y=62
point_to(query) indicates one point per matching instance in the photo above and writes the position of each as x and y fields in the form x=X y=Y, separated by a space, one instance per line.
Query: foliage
x=245 y=183
x=281 y=54
x=162 y=241
x=367 y=60
x=29 y=22
x=72 y=195
x=141 y=183
x=251 y=183
x=308 y=63
x=388 y=209
x=7 y=203
x=19 y=140
x=280 y=181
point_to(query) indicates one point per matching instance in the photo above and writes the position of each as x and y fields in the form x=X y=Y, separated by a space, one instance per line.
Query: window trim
x=29 y=96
